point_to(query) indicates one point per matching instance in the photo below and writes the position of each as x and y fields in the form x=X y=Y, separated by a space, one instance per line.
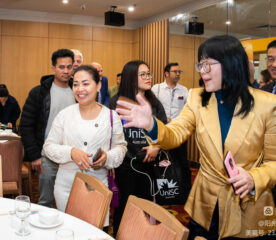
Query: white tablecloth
x=82 y=230
x=7 y=133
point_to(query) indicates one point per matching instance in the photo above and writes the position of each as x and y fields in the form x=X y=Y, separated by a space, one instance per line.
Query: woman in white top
x=78 y=131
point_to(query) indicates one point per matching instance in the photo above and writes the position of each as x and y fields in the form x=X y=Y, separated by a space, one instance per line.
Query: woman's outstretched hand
x=137 y=115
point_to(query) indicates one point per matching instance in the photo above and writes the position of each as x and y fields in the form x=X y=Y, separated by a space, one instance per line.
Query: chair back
x=12 y=156
x=136 y=223
x=1 y=184
x=89 y=200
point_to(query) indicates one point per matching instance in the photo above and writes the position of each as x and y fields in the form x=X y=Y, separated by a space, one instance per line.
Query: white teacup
x=48 y=216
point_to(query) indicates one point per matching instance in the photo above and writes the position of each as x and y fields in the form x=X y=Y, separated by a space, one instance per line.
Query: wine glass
x=22 y=211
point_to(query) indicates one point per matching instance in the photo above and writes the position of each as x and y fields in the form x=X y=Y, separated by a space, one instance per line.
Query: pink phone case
x=230 y=165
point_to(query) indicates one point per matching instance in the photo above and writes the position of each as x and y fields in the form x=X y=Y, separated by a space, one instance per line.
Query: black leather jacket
x=34 y=118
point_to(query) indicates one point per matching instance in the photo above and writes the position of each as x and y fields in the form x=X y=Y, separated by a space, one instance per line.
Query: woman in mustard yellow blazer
x=226 y=115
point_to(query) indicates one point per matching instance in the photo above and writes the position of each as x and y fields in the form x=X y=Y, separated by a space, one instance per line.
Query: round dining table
x=82 y=230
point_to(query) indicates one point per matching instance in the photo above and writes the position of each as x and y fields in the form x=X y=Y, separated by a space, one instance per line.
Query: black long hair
x=235 y=71
x=129 y=83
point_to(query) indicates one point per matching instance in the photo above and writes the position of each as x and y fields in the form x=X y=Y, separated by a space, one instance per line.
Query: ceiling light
x=228 y=22
x=131 y=8
x=230 y=2
x=65 y=1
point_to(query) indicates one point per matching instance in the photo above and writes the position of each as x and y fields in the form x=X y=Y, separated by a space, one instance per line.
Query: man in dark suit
x=271 y=67
x=104 y=93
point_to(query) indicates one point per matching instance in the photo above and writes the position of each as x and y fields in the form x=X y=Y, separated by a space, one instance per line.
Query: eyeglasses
x=205 y=65
x=177 y=71
x=270 y=60
x=145 y=75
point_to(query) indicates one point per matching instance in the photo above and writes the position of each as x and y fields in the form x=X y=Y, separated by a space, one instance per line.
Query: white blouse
x=69 y=131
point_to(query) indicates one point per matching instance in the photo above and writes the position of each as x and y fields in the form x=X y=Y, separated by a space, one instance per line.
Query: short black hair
x=271 y=45
x=3 y=91
x=169 y=65
x=62 y=53
x=119 y=74
x=93 y=72
x=229 y=52
x=266 y=75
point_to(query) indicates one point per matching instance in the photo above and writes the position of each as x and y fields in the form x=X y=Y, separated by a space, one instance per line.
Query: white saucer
x=34 y=220
x=92 y=237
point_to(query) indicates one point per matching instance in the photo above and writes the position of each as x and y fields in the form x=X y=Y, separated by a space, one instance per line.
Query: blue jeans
x=47 y=182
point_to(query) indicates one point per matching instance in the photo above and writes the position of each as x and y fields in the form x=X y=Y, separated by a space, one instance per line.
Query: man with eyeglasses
x=173 y=97
x=43 y=103
x=170 y=93
x=271 y=67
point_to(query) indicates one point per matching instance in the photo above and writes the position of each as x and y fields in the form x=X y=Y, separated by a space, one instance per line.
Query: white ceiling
x=246 y=15
x=144 y=8
x=147 y=11
x=249 y=18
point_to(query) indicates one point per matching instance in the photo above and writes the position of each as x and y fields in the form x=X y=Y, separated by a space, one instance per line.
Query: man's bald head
x=99 y=68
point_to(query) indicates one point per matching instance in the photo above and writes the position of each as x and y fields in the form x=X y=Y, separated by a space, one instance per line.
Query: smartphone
x=230 y=166
x=96 y=155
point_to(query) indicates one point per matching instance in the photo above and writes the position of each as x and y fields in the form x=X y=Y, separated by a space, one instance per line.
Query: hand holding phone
x=96 y=155
x=230 y=166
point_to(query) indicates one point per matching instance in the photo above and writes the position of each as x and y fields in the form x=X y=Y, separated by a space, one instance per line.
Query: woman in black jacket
x=136 y=78
x=9 y=108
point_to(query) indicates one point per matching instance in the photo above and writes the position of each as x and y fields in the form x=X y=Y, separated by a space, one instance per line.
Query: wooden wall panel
x=26 y=29
x=24 y=61
x=69 y=31
x=135 y=55
x=198 y=42
x=112 y=48
x=113 y=57
x=84 y=46
x=183 y=49
x=182 y=41
x=136 y=44
x=154 y=47
x=185 y=58
x=112 y=35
